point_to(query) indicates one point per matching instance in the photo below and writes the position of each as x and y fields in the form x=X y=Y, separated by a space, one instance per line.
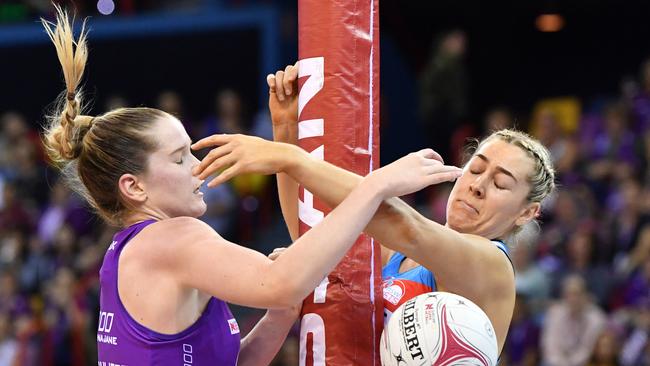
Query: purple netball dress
x=212 y=340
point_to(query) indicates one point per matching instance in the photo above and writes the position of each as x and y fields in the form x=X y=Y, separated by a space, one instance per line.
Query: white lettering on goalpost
x=314 y=69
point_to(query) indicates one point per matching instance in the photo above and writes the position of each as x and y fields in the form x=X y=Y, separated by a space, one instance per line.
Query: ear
x=530 y=212
x=132 y=188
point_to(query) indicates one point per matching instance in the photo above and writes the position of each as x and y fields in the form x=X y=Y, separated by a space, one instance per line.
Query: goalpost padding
x=339 y=122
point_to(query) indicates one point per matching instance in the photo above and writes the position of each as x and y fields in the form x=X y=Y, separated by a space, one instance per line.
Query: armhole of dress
x=395 y=260
x=503 y=248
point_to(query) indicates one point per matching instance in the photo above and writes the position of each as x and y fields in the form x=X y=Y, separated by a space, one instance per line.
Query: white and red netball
x=441 y=329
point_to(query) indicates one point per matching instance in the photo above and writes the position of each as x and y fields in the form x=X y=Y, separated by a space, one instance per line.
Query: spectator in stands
x=580 y=259
x=564 y=150
x=635 y=348
x=229 y=115
x=572 y=326
x=8 y=346
x=616 y=151
x=444 y=90
x=606 y=351
x=625 y=227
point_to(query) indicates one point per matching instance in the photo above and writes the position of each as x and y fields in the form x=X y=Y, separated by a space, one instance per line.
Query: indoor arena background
x=575 y=74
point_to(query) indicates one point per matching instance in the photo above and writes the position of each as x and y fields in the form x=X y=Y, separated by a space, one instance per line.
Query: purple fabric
x=637 y=289
x=522 y=338
x=212 y=340
x=641 y=112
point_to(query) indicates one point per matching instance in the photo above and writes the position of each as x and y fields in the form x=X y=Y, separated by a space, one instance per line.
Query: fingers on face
x=211 y=141
x=445 y=173
x=225 y=176
x=439 y=168
x=213 y=161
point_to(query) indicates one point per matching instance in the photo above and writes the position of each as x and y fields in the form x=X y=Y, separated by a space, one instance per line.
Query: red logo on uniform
x=234 y=327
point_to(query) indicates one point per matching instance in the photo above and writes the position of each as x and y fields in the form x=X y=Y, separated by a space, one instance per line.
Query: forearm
x=400 y=227
x=287 y=187
x=265 y=340
x=285 y=131
x=328 y=241
x=394 y=225
x=288 y=195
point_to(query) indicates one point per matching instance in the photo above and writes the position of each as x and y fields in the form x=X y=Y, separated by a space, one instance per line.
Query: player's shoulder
x=496 y=262
x=179 y=228
x=163 y=240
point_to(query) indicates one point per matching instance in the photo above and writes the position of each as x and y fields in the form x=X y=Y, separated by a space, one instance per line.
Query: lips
x=198 y=188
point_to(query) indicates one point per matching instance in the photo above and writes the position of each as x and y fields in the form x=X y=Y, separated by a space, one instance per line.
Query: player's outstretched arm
x=396 y=225
x=199 y=258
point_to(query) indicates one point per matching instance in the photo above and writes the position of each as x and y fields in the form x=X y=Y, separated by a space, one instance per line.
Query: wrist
x=280 y=132
x=294 y=157
x=374 y=184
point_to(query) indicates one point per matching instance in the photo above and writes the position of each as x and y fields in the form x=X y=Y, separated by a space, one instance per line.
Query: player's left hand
x=241 y=154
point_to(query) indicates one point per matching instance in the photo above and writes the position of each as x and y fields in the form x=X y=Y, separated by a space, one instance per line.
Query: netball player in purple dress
x=167 y=276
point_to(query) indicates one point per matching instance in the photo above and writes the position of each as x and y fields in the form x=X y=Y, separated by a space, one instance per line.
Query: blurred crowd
x=583 y=278
x=52 y=246
x=583 y=281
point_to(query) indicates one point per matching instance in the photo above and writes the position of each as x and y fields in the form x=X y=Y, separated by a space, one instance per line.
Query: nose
x=195 y=161
x=477 y=188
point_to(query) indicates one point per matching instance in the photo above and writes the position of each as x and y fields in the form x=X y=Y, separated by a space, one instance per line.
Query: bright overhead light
x=549 y=22
x=106 y=7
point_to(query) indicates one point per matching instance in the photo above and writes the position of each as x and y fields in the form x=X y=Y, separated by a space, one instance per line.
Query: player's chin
x=198 y=208
x=461 y=224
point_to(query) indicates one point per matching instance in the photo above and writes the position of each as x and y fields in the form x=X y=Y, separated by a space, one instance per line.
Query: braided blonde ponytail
x=66 y=128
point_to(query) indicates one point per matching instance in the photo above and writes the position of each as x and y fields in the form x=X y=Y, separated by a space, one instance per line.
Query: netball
x=439 y=329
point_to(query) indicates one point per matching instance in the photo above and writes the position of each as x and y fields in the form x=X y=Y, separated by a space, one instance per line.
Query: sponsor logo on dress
x=393 y=292
x=234 y=327
x=104 y=328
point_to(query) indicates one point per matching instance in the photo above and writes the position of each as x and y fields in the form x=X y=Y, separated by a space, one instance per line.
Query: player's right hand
x=241 y=154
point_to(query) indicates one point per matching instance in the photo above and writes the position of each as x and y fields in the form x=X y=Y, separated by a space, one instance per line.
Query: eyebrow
x=499 y=168
x=178 y=149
